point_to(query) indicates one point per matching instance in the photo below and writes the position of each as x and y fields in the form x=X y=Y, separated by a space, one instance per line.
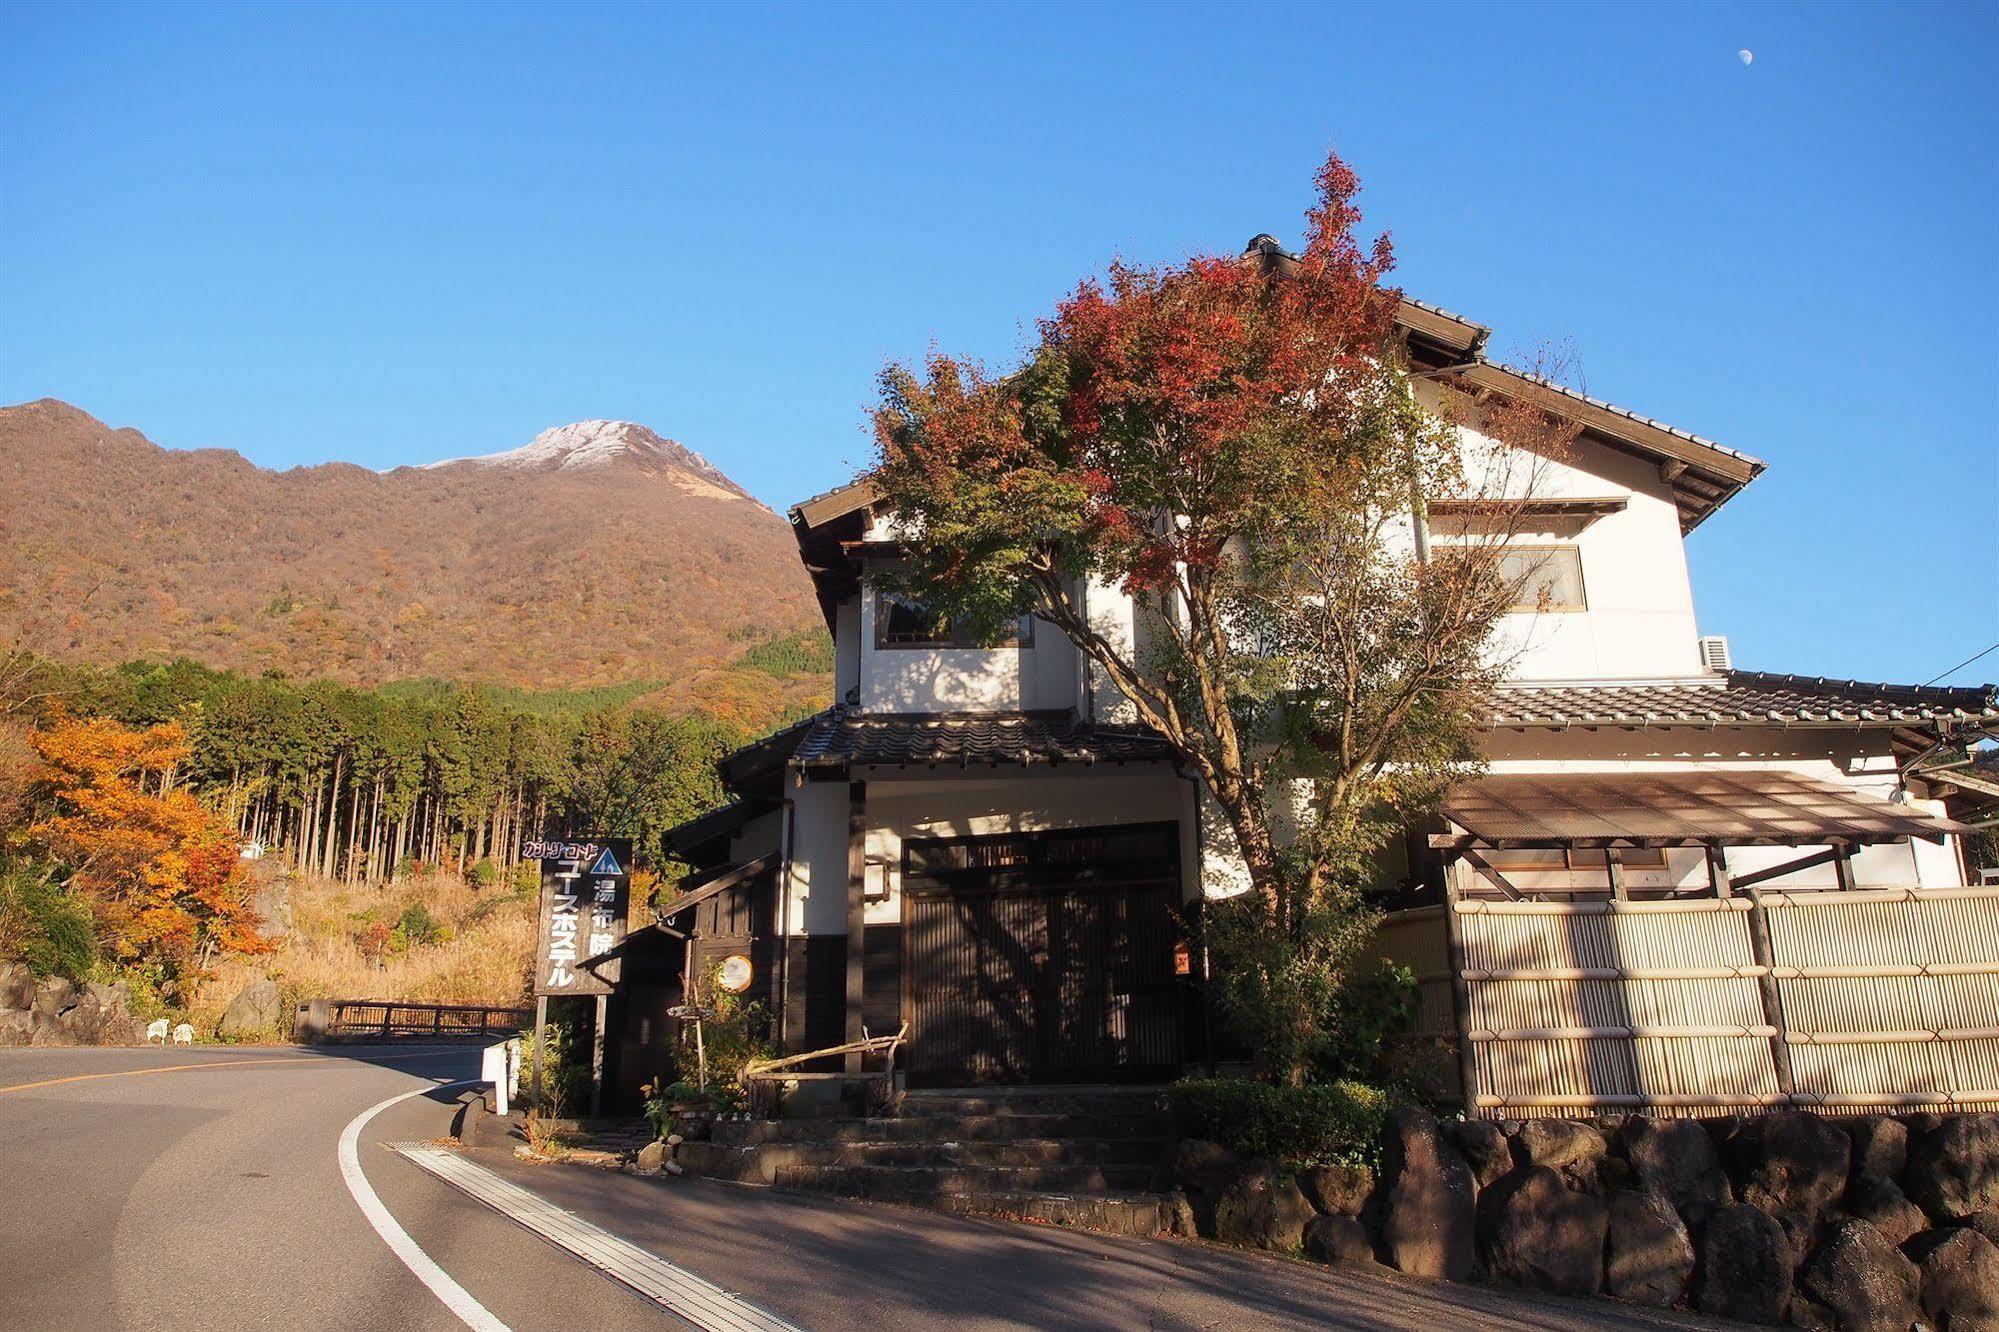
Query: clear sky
x=390 y=235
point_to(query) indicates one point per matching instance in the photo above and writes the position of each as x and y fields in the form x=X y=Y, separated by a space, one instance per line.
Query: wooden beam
x=1616 y=873
x=1717 y=872
x=857 y=875
x=1790 y=867
x=1499 y=881
x=1454 y=936
x=1766 y=988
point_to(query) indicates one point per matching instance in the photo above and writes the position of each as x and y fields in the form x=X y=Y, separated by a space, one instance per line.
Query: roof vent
x=1714 y=654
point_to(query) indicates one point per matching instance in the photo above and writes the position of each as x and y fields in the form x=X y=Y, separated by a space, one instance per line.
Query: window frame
x=1571 y=550
x=954 y=638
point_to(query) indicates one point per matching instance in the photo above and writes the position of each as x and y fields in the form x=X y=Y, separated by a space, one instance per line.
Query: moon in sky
x=1745 y=56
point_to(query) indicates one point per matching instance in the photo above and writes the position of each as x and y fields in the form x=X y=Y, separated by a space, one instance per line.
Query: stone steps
x=1074 y=1156
x=1134 y=1157
x=941 y=1127
x=920 y=1183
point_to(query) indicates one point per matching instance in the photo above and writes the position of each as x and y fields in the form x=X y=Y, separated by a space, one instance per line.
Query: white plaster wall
x=1640 y=620
x=907 y=679
x=846 y=648
x=816 y=881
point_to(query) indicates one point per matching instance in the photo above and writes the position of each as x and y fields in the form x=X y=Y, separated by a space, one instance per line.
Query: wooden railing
x=348 y=1019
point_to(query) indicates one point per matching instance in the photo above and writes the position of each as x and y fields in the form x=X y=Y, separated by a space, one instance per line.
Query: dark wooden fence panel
x=392 y=1018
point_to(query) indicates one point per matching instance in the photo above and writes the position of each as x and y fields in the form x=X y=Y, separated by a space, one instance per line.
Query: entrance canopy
x=1704 y=808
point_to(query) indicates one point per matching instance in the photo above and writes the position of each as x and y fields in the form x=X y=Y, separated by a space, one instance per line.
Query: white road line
x=675 y=1289
x=456 y=1298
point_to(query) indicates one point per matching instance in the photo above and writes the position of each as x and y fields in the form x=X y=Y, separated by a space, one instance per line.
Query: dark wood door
x=1044 y=957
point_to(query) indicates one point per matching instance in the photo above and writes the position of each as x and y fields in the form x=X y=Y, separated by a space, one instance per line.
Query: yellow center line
x=213 y=1063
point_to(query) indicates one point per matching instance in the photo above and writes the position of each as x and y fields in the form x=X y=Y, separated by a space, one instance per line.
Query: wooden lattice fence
x=1847 y=1000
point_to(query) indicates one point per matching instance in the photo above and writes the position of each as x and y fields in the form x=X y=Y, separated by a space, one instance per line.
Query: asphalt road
x=177 y=1189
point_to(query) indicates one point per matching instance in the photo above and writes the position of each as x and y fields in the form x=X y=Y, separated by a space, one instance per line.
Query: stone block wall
x=57 y=1011
x=1868 y=1223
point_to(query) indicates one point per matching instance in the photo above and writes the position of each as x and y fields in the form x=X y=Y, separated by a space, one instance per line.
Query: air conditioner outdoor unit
x=1714 y=653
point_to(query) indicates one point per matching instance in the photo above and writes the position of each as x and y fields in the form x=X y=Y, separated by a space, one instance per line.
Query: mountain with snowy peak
x=598 y=553
x=593 y=444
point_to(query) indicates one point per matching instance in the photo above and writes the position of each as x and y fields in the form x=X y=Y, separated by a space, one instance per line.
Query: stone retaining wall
x=56 y=1011
x=1872 y=1223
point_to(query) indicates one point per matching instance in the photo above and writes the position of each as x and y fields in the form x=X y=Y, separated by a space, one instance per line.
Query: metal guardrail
x=347 y=1019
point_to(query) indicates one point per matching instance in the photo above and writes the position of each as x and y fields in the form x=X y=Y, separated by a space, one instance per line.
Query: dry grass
x=484 y=960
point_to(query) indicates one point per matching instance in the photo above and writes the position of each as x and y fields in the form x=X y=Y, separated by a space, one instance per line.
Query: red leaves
x=1208 y=390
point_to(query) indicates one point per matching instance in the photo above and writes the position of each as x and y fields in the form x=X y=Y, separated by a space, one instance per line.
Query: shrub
x=483 y=874
x=1323 y=1123
x=42 y=924
x=416 y=928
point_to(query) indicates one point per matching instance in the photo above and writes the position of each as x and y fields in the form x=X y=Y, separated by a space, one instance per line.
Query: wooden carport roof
x=1695 y=808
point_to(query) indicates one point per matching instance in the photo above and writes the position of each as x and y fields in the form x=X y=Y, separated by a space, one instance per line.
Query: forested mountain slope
x=600 y=554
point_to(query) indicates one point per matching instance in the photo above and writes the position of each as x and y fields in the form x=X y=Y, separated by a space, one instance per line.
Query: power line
x=1960 y=666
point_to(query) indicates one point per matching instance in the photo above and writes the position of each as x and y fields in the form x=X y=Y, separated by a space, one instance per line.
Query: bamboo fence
x=1879 y=999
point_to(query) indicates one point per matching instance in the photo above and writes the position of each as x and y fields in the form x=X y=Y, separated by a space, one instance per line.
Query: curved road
x=201 y=1189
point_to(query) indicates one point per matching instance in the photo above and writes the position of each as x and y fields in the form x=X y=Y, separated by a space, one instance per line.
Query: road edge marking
x=684 y=1294
x=191 y=1068
x=439 y=1282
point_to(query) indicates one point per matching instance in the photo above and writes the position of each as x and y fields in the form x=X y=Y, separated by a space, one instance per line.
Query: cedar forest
x=126 y=794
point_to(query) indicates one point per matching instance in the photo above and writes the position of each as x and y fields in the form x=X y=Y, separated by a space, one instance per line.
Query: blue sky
x=390 y=235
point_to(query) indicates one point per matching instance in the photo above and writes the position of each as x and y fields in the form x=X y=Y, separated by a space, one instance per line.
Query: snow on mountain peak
x=590 y=444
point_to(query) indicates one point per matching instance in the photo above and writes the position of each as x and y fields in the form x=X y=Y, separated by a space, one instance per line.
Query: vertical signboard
x=585 y=895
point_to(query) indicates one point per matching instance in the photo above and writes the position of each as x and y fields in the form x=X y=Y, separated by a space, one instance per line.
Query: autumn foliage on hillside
x=158 y=869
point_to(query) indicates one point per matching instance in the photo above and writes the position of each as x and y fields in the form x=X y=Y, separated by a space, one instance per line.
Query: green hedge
x=1318 y=1124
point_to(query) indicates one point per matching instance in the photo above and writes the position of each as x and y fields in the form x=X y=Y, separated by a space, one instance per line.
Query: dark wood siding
x=882 y=1008
x=1045 y=957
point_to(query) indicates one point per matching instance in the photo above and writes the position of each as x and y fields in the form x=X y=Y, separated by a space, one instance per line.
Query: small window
x=1532 y=571
x=902 y=621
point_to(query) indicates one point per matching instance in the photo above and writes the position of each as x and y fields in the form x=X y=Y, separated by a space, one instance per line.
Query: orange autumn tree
x=159 y=870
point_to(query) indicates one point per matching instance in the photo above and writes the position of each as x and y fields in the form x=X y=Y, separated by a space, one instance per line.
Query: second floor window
x=1533 y=572
x=902 y=622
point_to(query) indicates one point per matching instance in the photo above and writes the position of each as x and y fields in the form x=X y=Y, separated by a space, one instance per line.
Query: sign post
x=585 y=902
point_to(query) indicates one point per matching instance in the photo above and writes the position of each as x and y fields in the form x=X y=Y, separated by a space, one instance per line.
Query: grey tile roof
x=843 y=736
x=1753 y=697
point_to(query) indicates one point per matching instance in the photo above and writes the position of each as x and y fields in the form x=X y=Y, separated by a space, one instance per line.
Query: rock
x=1649 y=1257
x=1954 y=1171
x=1261 y=1209
x=1427 y=1204
x=1178 y=1212
x=16 y=1027
x=1484 y=1146
x=1195 y=1163
x=1802 y=1170
x=17 y=986
x=1539 y=1233
x=1960 y=1282
x=1339 y=1240
x=1880 y=1147
x=651 y=1157
x=1985 y=1223
x=54 y=996
x=1572 y=1150
x=1882 y=1204
x=1863 y=1280
x=1745 y=1265
x=1339 y=1190
x=252 y=1013
x=1676 y=1159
